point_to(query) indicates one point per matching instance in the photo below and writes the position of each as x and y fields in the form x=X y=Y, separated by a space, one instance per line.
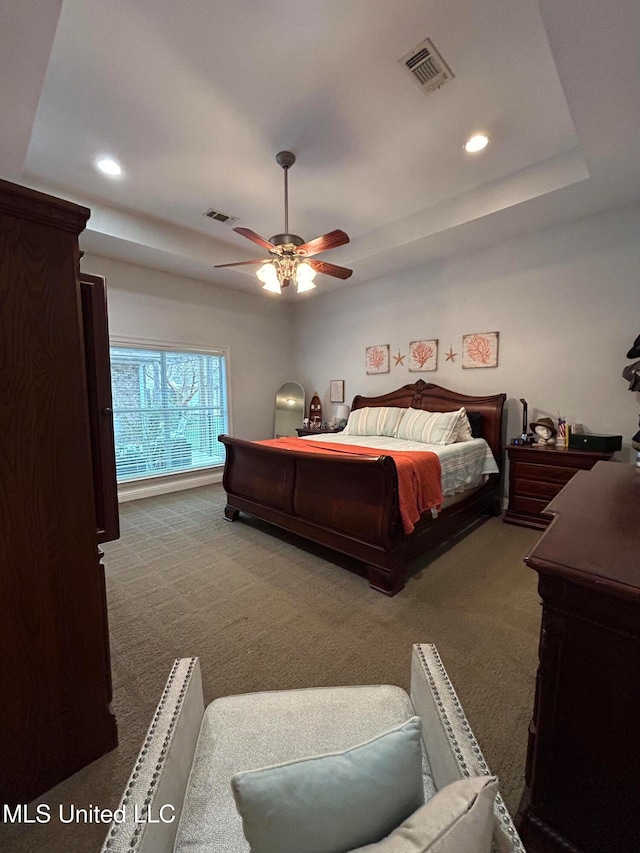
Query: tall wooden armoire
x=58 y=498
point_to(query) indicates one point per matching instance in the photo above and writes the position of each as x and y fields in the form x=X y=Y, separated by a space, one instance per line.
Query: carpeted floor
x=265 y=610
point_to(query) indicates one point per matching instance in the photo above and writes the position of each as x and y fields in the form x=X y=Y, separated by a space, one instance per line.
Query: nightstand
x=307 y=431
x=536 y=475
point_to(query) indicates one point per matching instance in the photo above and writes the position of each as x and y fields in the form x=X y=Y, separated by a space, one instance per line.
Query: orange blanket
x=419 y=473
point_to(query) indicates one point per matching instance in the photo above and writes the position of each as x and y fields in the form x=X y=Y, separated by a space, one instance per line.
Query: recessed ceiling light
x=475 y=143
x=109 y=166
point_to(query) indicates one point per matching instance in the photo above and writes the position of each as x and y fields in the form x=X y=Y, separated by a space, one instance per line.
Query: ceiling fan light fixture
x=305 y=274
x=267 y=273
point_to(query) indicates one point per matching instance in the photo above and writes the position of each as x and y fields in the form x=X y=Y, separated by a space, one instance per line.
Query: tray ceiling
x=195 y=99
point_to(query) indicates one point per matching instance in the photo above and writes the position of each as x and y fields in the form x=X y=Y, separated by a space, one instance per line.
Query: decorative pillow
x=459 y=819
x=332 y=803
x=381 y=420
x=465 y=430
x=430 y=427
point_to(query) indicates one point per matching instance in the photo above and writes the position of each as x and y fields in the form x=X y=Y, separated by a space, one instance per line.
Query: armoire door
x=98 y=369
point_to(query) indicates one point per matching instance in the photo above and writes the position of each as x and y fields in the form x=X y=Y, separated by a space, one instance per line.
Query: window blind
x=168 y=409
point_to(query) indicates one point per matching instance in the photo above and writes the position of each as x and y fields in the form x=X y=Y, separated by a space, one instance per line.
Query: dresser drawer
x=535 y=489
x=548 y=473
x=530 y=506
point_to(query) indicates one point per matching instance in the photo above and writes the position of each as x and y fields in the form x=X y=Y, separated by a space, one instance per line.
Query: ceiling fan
x=292 y=258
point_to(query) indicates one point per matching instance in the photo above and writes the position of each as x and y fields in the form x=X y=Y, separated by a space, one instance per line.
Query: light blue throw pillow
x=335 y=802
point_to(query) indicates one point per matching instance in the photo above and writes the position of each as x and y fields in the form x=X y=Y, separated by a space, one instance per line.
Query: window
x=168 y=409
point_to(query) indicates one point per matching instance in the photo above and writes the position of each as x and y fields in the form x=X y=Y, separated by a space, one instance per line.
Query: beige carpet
x=264 y=610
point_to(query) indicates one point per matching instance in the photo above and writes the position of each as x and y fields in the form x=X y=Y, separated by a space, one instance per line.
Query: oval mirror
x=289 y=409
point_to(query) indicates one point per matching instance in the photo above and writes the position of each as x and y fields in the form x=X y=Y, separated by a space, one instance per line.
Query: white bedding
x=465 y=465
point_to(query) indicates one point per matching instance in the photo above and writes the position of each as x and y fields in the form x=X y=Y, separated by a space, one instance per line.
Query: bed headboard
x=433 y=398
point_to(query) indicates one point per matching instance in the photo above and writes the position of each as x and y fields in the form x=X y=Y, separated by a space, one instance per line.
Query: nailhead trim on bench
x=461 y=751
x=140 y=764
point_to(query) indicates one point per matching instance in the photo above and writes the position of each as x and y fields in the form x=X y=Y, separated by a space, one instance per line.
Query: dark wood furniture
x=351 y=503
x=536 y=475
x=308 y=431
x=315 y=410
x=582 y=778
x=57 y=499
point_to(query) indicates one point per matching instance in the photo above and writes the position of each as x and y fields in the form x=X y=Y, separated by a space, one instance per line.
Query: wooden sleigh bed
x=351 y=504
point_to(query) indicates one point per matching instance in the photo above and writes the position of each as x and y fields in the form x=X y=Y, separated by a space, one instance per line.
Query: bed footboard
x=347 y=502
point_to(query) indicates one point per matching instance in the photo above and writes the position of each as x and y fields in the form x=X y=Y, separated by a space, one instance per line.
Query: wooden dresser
x=583 y=761
x=536 y=475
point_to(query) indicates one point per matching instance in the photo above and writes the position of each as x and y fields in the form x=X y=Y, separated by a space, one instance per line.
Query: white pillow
x=464 y=428
x=430 y=427
x=459 y=819
x=332 y=803
x=381 y=420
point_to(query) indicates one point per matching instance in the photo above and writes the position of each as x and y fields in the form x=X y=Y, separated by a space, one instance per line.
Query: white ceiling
x=196 y=98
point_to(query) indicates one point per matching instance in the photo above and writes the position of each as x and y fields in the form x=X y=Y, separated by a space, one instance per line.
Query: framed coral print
x=423 y=355
x=336 y=389
x=480 y=349
x=377 y=359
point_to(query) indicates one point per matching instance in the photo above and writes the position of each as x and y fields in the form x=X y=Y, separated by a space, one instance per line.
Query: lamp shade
x=304 y=277
x=268 y=274
x=342 y=413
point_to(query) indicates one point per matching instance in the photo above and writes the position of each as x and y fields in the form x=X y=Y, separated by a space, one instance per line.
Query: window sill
x=162 y=484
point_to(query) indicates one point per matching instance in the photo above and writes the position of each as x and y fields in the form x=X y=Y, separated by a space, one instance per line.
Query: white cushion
x=259 y=729
x=459 y=819
x=430 y=427
x=464 y=428
x=331 y=803
x=381 y=420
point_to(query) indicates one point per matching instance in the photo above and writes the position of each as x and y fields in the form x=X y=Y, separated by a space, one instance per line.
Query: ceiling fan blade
x=251 y=235
x=330 y=269
x=322 y=244
x=240 y=263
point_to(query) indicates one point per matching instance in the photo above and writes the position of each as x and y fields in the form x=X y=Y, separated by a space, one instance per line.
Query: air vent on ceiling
x=220 y=217
x=427 y=67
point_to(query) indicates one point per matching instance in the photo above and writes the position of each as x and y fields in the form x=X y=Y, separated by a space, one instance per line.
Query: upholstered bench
x=318 y=769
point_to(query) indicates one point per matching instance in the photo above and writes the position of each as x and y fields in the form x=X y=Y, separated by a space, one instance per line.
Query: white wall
x=565 y=300
x=151 y=305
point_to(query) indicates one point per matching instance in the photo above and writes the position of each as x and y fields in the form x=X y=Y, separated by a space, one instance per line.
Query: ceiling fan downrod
x=286 y=159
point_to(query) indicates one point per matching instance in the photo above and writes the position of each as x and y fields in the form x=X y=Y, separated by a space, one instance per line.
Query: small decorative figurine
x=562 y=437
x=544 y=430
